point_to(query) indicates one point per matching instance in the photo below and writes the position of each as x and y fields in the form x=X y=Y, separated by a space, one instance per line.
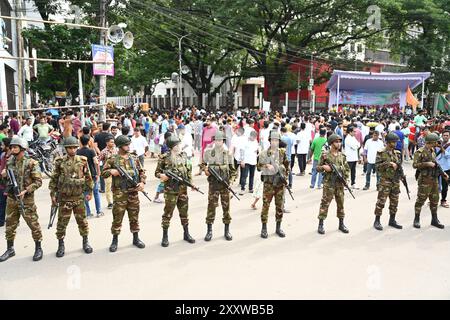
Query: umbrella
x=54 y=112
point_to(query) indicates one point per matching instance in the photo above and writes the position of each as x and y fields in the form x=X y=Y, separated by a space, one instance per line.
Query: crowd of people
x=246 y=137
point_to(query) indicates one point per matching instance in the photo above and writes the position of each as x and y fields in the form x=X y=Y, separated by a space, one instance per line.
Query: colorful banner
x=102 y=54
x=360 y=97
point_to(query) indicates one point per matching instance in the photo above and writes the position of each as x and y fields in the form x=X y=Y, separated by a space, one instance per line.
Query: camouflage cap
x=274 y=135
x=392 y=137
x=122 y=141
x=17 y=141
x=219 y=136
x=71 y=142
x=432 y=137
x=333 y=138
x=172 y=141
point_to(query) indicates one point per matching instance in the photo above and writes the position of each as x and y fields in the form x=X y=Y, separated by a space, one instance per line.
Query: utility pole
x=20 y=62
x=81 y=95
x=298 y=91
x=311 y=83
x=102 y=84
x=180 y=74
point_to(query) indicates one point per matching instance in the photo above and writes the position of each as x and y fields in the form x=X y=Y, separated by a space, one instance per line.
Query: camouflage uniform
x=70 y=179
x=389 y=186
x=332 y=187
x=175 y=195
x=124 y=197
x=222 y=161
x=274 y=186
x=28 y=176
x=427 y=180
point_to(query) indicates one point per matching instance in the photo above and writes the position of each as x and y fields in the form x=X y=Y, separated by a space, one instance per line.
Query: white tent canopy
x=374 y=82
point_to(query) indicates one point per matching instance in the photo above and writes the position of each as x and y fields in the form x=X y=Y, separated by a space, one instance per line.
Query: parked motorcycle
x=45 y=153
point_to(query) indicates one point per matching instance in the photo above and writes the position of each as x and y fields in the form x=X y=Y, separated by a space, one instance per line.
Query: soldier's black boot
x=377 y=224
x=227 y=233
x=86 y=247
x=417 y=221
x=394 y=223
x=114 y=243
x=9 y=251
x=165 y=239
x=61 y=250
x=187 y=237
x=278 y=230
x=137 y=242
x=37 y=251
x=208 y=236
x=342 y=226
x=321 y=229
x=435 y=221
x=264 y=231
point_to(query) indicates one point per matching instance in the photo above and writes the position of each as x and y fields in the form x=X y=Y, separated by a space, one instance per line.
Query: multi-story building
x=9 y=48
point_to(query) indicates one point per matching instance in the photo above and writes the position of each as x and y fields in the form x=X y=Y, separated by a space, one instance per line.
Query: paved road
x=365 y=264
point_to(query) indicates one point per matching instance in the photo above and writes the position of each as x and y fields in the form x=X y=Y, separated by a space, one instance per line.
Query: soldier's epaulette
x=163 y=156
x=382 y=150
x=83 y=158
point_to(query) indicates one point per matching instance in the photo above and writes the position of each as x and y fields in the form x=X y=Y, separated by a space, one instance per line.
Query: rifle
x=131 y=181
x=16 y=190
x=216 y=176
x=283 y=180
x=340 y=178
x=401 y=174
x=181 y=180
x=53 y=212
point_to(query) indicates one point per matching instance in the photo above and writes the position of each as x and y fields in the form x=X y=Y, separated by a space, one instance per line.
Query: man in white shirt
x=351 y=152
x=303 y=142
x=127 y=123
x=238 y=143
x=364 y=128
x=371 y=148
x=251 y=150
x=186 y=141
x=26 y=132
x=393 y=125
x=264 y=136
x=140 y=145
x=248 y=128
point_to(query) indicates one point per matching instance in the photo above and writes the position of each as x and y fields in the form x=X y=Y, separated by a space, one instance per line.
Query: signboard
x=60 y=94
x=103 y=54
x=360 y=97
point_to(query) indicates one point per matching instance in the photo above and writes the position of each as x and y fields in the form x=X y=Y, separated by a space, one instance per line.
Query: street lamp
x=180 y=94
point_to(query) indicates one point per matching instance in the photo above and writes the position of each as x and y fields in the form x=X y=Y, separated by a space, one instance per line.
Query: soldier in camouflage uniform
x=218 y=158
x=428 y=186
x=125 y=197
x=275 y=169
x=69 y=180
x=387 y=164
x=332 y=188
x=29 y=178
x=175 y=194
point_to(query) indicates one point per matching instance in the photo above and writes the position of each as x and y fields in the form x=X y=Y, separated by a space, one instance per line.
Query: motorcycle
x=45 y=153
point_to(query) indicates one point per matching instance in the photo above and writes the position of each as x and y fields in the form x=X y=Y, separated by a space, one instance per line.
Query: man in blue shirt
x=443 y=158
x=399 y=145
x=288 y=138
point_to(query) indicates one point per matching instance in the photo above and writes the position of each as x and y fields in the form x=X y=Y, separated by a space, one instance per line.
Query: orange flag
x=411 y=100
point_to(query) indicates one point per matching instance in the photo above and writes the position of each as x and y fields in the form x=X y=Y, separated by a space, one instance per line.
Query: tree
x=425 y=40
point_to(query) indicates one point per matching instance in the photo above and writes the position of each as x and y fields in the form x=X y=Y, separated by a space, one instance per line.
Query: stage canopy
x=370 y=88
